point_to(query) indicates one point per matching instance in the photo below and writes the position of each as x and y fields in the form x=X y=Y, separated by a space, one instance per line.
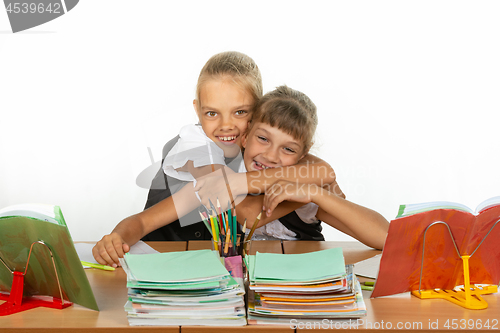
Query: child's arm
x=199 y=172
x=310 y=169
x=131 y=229
x=212 y=185
x=251 y=207
x=362 y=223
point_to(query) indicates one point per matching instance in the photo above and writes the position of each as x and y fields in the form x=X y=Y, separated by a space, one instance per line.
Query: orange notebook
x=401 y=261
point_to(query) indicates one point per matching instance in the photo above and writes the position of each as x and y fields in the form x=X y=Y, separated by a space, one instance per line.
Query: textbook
x=25 y=224
x=474 y=231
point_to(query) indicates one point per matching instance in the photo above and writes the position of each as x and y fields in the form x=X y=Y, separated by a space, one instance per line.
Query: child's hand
x=292 y=191
x=215 y=187
x=109 y=249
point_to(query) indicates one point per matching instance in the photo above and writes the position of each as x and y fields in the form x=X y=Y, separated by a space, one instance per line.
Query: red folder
x=401 y=261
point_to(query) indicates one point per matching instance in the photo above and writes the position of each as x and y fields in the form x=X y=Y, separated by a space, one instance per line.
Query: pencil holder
x=231 y=249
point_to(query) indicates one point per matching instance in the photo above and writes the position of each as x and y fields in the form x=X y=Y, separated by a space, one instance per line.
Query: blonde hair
x=238 y=66
x=289 y=110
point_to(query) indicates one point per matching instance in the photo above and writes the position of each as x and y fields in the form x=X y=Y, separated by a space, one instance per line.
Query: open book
x=48 y=213
x=402 y=256
x=406 y=210
x=21 y=226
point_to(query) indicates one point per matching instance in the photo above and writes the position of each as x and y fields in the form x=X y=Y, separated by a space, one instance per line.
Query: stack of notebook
x=302 y=286
x=182 y=288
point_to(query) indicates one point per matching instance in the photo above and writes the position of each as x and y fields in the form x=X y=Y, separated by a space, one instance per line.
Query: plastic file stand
x=15 y=302
x=469 y=296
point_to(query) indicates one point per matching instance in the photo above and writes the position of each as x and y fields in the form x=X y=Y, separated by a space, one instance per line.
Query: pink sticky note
x=234 y=266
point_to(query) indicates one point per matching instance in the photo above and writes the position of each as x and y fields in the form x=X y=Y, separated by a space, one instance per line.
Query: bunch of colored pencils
x=224 y=228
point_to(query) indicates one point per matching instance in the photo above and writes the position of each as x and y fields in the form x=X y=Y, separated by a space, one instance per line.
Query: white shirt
x=193 y=145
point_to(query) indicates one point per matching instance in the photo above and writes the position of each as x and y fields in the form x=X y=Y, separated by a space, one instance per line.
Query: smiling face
x=270 y=147
x=224 y=110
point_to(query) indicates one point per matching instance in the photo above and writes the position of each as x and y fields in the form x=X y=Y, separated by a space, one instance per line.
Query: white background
x=407 y=94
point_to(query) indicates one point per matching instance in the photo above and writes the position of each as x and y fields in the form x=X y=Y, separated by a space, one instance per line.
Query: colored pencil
x=216 y=226
x=229 y=214
x=227 y=241
x=234 y=227
x=227 y=220
x=214 y=235
x=240 y=241
x=219 y=211
x=219 y=223
x=99 y=266
x=205 y=221
x=254 y=226
x=224 y=220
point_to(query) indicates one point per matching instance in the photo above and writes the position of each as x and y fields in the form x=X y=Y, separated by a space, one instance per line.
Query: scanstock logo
x=28 y=14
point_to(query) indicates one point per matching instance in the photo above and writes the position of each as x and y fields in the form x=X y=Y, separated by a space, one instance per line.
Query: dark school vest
x=160 y=190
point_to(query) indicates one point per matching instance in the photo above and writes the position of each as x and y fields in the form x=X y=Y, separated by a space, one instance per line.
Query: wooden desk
x=109 y=288
x=261 y=246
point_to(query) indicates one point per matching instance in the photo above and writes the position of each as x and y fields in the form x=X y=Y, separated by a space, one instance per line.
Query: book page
x=369 y=267
x=488 y=204
x=410 y=209
x=42 y=212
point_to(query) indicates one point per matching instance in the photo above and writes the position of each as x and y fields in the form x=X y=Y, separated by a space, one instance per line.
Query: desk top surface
x=400 y=311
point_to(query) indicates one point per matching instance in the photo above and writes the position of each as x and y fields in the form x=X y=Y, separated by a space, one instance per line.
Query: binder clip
x=15 y=302
x=468 y=296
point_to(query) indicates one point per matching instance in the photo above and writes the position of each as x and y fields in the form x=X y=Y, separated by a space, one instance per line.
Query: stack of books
x=313 y=285
x=182 y=288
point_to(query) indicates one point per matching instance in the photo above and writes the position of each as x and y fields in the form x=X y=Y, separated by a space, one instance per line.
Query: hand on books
x=109 y=249
x=284 y=190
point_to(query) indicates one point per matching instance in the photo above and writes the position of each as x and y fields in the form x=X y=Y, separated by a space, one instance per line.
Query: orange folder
x=400 y=265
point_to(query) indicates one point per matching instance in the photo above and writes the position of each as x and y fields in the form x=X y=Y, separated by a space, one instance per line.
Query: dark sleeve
x=160 y=190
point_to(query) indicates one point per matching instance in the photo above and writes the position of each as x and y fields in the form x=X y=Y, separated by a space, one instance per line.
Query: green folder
x=185 y=266
x=16 y=236
x=304 y=267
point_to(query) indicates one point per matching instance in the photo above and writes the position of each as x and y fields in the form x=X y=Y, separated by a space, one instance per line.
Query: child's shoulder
x=190 y=130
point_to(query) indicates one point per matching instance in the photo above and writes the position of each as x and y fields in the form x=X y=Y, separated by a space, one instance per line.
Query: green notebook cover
x=16 y=236
x=184 y=266
x=303 y=267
